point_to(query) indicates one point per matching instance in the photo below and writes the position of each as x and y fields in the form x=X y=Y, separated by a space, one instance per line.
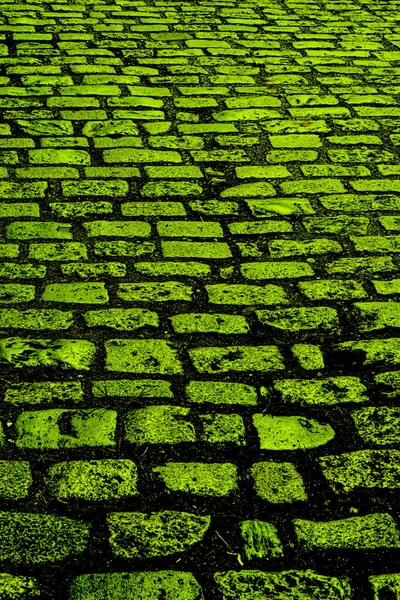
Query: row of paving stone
x=218 y=168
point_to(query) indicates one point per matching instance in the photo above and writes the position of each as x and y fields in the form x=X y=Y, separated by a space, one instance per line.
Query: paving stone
x=117 y=229
x=387 y=583
x=142 y=356
x=377 y=425
x=159 y=425
x=35 y=319
x=223 y=429
x=93 y=480
x=31 y=230
x=308 y=356
x=276 y=270
x=372 y=316
x=317 y=318
x=141 y=535
x=61 y=251
x=155 y=292
x=15 y=479
x=173 y=585
x=278 y=482
x=290 y=585
x=373 y=351
x=18 y=587
x=290 y=433
x=216 y=392
x=210 y=191
x=87 y=293
x=332 y=390
x=367 y=532
x=63 y=353
x=34 y=539
x=44 y=428
x=236 y=358
x=362 y=469
x=332 y=289
x=43 y=392
x=245 y=294
x=200 y=479
x=260 y=539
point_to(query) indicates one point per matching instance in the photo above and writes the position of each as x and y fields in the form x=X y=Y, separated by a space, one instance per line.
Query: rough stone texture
x=260 y=540
x=290 y=433
x=141 y=535
x=97 y=480
x=201 y=479
x=362 y=469
x=278 y=482
x=282 y=585
x=159 y=425
x=173 y=585
x=199 y=290
x=376 y=530
x=31 y=539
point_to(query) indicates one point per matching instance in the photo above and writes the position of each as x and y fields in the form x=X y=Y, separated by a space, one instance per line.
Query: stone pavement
x=200 y=208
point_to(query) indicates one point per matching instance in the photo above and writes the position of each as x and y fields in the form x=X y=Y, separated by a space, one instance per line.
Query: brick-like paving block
x=199 y=300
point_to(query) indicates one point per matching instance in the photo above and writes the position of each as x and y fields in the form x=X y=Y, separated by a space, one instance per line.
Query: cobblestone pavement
x=200 y=208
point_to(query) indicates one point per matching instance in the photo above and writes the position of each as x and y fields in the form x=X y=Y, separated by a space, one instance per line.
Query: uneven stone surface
x=139 y=535
x=199 y=299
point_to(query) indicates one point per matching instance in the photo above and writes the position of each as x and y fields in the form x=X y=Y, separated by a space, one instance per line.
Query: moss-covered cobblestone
x=199 y=300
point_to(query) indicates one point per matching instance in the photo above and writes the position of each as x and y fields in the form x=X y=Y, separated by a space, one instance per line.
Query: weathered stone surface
x=278 y=482
x=282 y=585
x=389 y=583
x=142 y=356
x=18 y=587
x=378 y=425
x=31 y=539
x=371 y=531
x=15 y=479
x=66 y=354
x=172 y=585
x=142 y=535
x=260 y=539
x=63 y=428
x=332 y=390
x=106 y=479
x=362 y=469
x=159 y=425
x=202 y=479
x=290 y=433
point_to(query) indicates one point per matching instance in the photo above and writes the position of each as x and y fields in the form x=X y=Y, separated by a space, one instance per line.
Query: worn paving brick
x=199 y=222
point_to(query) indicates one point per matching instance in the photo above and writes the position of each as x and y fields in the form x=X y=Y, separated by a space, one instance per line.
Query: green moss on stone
x=331 y=390
x=173 y=585
x=81 y=293
x=260 y=540
x=206 y=323
x=362 y=469
x=223 y=429
x=236 y=358
x=283 y=585
x=142 y=356
x=218 y=392
x=66 y=354
x=368 y=532
x=200 y=479
x=32 y=539
x=142 y=535
x=92 y=480
x=278 y=482
x=290 y=433
x=43 y=429
x=44 y=392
